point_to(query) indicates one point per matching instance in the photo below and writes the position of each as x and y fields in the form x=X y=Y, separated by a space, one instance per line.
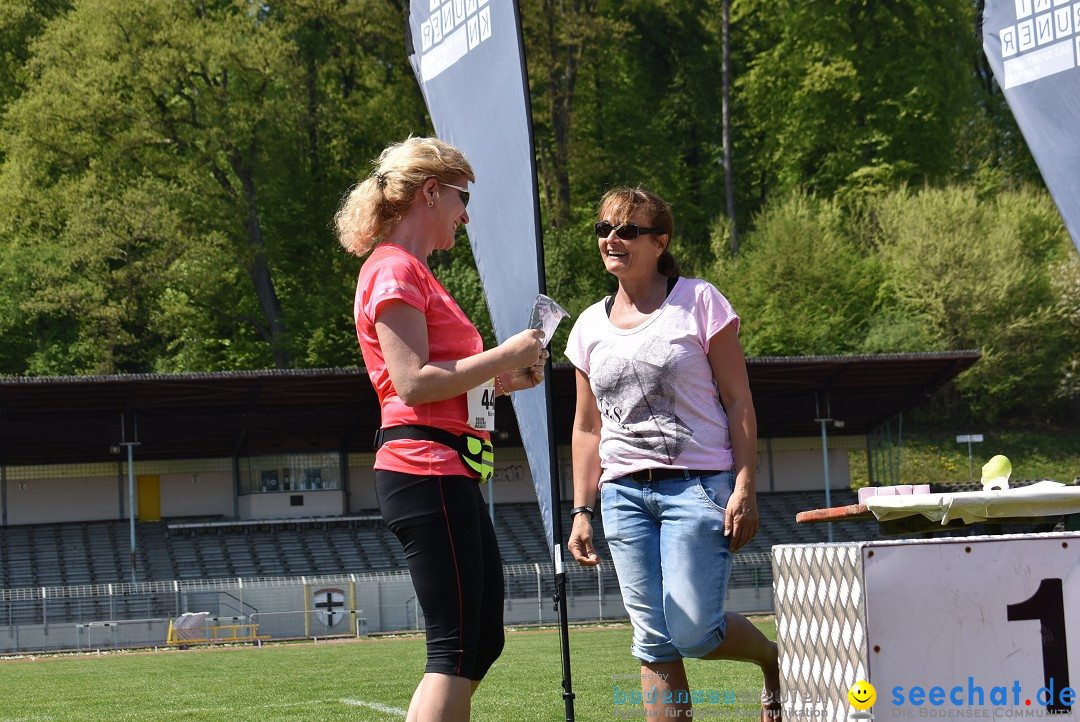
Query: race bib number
x=482 y=406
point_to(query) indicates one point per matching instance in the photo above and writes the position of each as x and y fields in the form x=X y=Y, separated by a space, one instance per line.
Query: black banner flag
x=1034 y=50
x=467 y=57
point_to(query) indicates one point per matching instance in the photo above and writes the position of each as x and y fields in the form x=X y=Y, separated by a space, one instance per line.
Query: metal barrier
x=139 y=615
x=113 y=634
x=191 y=628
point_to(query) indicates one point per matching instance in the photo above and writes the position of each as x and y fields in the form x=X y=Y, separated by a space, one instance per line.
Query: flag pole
x=559 y=597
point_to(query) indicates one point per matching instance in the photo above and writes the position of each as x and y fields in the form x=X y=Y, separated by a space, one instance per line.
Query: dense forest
x=168 y=172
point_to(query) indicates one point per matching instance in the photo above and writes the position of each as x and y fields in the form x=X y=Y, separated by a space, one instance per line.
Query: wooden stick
x=836 y=513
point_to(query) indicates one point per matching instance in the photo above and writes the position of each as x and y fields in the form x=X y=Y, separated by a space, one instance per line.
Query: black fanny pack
x=476 y=453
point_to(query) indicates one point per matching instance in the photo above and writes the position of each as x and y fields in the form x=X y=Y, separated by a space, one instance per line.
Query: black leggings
x=453 y=556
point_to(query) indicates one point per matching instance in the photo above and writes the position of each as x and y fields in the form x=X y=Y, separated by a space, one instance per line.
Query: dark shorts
x=443 y=525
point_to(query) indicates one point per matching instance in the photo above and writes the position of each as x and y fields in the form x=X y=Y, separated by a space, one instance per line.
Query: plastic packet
x=546 y=315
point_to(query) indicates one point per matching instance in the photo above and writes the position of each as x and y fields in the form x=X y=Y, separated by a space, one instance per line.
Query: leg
x=491 y=633
x=633 y=534
x=696 y=561
x=665 y=691
x=744 y=642
x=441 y=698
x=414 y=703
x=696 y=571
x=451 y=697
x=435 y=518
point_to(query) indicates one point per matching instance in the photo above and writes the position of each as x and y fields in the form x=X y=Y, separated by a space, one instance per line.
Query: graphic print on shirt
x=638 y=395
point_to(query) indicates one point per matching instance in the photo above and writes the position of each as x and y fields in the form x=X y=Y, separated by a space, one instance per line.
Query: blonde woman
x=424 y=356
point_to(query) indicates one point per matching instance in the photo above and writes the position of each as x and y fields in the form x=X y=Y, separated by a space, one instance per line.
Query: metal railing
x=138 y=614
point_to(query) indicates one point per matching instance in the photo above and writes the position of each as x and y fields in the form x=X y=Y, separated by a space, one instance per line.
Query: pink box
x=895 y=490
x=868 y=491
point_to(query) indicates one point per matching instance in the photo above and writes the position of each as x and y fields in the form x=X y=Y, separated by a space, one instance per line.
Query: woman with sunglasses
x=665 y=432
x=433 y=377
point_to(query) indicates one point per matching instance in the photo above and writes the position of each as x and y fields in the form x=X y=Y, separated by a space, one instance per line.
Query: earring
x=430 y=203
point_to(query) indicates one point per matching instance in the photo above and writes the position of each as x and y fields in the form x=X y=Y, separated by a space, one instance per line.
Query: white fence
x=137 y=615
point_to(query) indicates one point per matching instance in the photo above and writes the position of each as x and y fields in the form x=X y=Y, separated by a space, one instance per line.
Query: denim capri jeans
x=672 y=559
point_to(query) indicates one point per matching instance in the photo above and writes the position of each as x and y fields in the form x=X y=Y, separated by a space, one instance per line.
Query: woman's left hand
x=741 y=520
x=525 y=378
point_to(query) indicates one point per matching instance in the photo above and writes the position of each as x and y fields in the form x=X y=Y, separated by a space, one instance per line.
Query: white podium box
x=954 y=627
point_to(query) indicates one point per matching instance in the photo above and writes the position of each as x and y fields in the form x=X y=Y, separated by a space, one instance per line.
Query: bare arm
x=402 y=332
x=729 y=371
x=586 y=463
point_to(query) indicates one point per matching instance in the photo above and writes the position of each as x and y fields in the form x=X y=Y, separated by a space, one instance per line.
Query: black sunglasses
x=625 y=231
x=462 y=192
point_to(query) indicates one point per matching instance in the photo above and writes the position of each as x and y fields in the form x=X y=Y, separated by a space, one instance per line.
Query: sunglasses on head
x=463 y=193
x=625 y=231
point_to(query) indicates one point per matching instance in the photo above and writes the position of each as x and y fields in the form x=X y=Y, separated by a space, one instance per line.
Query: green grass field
x=370 y=679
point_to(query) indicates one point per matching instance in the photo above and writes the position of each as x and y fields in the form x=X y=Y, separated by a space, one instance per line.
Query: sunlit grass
x=936 y=457
x=371 y=679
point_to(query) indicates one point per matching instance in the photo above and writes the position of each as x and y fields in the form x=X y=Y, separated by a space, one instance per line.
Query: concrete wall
x=803 y=470
x=205 y=487
x=279 y=504
x=362 y=483
x=42 y=501
x=197 y=494
x=99 y=492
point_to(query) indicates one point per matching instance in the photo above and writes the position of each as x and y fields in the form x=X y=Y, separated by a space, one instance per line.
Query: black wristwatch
x=578 y=509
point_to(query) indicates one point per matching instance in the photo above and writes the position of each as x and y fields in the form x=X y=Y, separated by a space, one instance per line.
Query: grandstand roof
x=87 y=418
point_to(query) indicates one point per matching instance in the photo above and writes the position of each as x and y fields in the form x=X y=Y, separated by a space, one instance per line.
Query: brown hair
x=622 y=202
x=376 y=204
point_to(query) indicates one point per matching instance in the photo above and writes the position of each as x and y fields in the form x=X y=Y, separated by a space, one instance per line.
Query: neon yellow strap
x=481 y=457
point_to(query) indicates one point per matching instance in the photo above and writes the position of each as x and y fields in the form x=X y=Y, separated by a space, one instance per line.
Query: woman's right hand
x=581 y=541
x=523 y=349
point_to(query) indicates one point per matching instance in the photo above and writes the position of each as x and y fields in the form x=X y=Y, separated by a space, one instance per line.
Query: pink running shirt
x=391 y=273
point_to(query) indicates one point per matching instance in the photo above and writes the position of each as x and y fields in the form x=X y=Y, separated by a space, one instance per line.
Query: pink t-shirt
x=391 y=273
x=654 y=386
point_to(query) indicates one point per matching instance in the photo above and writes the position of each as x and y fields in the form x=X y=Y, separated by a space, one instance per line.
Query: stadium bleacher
x=98 y=552
x=47 y=555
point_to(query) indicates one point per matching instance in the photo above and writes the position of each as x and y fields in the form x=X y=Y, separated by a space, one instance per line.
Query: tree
x=1065 y=279
x=216 y=139
x=725 y=71
x=802 y=283
x=562 y=38
x=973 y=274
x=846 y=95
x=20 y=22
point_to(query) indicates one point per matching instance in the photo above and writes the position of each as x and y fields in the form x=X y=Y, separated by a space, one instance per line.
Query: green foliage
x=912 y=271
x=168 y=173
x=642 y=110
x=176 y=216
x=932 y=455
x=1065 y=281
x=866 y=88
x=975 y=275
x=456 y=271
x=21 y=21
x=801 y=284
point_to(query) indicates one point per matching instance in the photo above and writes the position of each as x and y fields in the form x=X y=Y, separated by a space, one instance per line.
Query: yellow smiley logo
x=862 y=695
